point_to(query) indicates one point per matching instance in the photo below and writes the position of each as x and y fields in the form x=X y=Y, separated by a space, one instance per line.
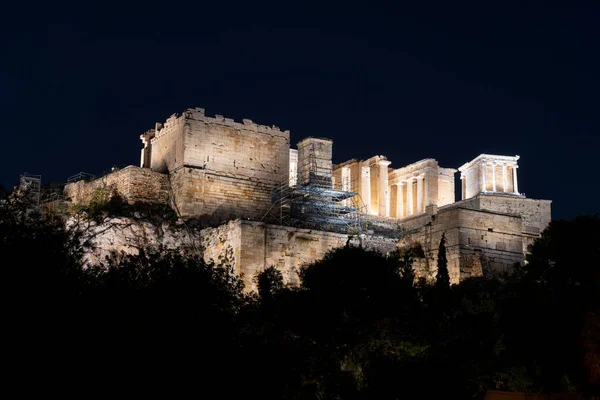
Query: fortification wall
x=257 y=245
x=214 y=198
x=492 y=240
x=220 y=169
x=134 y=184
x=168 y=145
x=427 y=232
x=535 y=214
x=478 y=241
x=244 y=150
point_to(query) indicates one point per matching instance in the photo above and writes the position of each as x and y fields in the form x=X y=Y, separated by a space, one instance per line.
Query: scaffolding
x=33 y=185
x=309 y=200
x=81 y=176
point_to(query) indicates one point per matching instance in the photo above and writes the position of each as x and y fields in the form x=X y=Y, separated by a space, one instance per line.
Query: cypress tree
x=442 y=277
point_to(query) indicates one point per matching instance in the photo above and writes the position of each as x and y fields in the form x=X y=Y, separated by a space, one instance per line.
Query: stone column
x=493 y=177
x=365 y=187
x=293 y=167
x=515 y=186
x=420 y=194
x=384 y=190
x=482 y=177
x=504 y=179
x=346 y=183
x=400 y=201
x=426 y=179
x=409 y=197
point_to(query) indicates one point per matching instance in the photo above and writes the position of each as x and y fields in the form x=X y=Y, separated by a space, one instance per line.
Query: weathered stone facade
x=220 y=169
x=134 y=184
x=223 y=172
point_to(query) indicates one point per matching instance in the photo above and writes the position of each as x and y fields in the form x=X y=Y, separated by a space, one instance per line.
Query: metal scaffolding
x=311 y=202
x=33 y=185
x=81 y=176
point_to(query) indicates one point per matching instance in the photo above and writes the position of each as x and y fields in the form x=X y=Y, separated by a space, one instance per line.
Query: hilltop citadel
x=274 y=205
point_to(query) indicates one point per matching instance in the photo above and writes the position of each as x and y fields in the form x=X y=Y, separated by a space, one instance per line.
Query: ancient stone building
x=219 y=169
x=232 y=176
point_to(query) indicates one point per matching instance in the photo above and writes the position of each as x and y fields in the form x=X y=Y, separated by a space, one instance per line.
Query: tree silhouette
x=269 y=282
x=442 y=277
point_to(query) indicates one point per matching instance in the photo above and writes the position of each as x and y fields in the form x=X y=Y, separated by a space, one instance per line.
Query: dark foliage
x=357 y=327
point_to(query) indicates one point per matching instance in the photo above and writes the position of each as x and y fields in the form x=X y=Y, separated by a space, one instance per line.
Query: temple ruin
x=274 y=205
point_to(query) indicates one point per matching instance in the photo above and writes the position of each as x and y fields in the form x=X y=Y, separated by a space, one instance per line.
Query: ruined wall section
x=134 y=184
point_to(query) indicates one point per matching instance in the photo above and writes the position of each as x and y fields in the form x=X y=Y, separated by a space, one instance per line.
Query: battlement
x=198 y=114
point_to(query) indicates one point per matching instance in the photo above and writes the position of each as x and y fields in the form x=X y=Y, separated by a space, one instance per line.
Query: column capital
x=383 y=163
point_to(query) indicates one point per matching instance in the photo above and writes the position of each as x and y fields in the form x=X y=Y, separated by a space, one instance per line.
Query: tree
x=269 y=282
x=442 y=276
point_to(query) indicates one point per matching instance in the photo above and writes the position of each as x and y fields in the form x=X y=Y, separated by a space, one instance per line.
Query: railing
x=82 y=176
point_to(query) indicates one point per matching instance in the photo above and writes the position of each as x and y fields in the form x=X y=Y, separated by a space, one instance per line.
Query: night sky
x=80 y=82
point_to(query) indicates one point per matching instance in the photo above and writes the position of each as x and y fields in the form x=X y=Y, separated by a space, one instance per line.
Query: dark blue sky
x=80 y=82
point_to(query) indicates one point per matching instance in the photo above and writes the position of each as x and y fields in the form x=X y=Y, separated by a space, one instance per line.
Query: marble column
x=493 y=177
x=482 y=178
x=400 y=200
x=504 y=179
x=384 y=189
x=346 y=183
x=426 y=181
x=420 y=194
x=365 y=187
x=515 y=186
x=409 y=197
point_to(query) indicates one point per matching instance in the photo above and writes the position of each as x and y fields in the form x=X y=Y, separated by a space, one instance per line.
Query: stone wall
x=257 y=246
x=214 y=198
x=427 y=231
x=244 y=150
x=221 y=169
x=536 y=214
x=168 y=145
x=478 y=241
x=134 y=184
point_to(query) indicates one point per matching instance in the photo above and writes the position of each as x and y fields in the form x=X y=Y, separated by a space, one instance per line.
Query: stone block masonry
x=220 y=169
x=134 y=184
x=257 y=245
x=213 y=198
